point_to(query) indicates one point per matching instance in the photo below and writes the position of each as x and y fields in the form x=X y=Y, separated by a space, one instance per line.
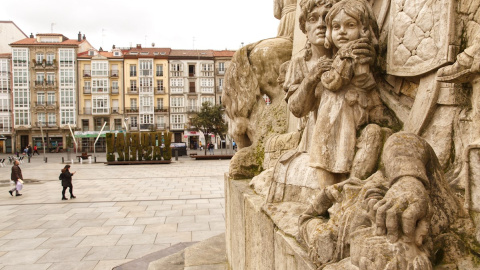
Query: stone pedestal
x=253 y=239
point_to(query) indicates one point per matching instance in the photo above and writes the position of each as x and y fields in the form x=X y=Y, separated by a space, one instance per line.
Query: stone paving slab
x=121 y=213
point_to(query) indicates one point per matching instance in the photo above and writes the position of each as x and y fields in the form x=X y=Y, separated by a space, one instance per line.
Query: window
x=208 y=99
x=221 y=67
x=50 y=78
x=117 y=53
x=67 y=97
x=133 y=70
x=100 y=105
x=67 y=116
x=114 y=86
x=87 y=87
x=146 y=119
x=20 y=78
x=85 y=124
x=160 y=85
x=133 y=85
x=133 y=121
x=66 y=77
x=22 y=117
x=159 y=70
x=159 y=103
x=40 y=77
x=176 y=70
x=206 y=85
x=39 y=58
x=115 y=72
x=51 y=98
x=99 y=68
x=146 y=67
x=177 y=104
x=52 y=119
x=177 y=121
x=41 y=119
x=5 y=104
x=176 y=85
x=191 y=70
x=40 y=98
x=21 y=98
x=5 y=124
x=99 y=85
x=50 y=58
x=67 y=57
x=146 y=85
x=117 y=124
x=133 y=103
x=19 y=57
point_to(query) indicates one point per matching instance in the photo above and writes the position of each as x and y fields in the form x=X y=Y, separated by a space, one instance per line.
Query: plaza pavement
x=121 y=213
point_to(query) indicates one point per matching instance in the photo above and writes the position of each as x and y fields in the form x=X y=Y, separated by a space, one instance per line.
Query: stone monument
x=368 y=155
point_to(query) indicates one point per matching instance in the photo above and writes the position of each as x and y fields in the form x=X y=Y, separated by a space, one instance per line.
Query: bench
x=83 y=156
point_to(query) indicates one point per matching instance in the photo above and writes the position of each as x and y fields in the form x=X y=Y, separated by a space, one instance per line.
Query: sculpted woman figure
x=319 y=102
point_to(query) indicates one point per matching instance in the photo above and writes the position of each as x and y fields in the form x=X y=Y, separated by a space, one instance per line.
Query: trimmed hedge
x=134 y=146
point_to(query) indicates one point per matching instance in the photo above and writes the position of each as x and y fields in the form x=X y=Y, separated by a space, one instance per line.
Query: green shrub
x=127 y=146
x=167 y=150
x=120 y=145
x=157 y=153
x=110 y=147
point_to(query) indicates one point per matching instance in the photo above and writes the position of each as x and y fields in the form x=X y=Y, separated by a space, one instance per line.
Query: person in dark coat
x=66 y=178
x=15 y=177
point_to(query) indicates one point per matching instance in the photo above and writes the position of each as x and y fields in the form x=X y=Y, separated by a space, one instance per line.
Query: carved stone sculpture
x=382 y=172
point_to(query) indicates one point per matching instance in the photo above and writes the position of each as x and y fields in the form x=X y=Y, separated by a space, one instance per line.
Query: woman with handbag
x=17 y=178
x=66 y=177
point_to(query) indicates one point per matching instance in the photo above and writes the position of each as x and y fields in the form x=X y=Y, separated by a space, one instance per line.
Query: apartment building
x=9 y=32
x=5 y=104
x=146 y=83
x=44 y=74
x=100 y=95
x=222 y=62
x=192 y=82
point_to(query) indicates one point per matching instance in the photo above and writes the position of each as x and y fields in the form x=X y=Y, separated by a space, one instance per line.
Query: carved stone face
x=345 y=29
x=315 y=25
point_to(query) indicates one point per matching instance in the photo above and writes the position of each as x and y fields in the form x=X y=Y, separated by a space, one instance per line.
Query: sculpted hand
x=405 y=208
x=323 y=64
x=360 y=50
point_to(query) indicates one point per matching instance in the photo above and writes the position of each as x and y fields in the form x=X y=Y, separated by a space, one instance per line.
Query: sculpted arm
x=304 y=92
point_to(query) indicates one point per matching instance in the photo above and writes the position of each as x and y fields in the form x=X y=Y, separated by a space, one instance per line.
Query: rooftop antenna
x=193 y=42
x=146 y=41
x=51 y=27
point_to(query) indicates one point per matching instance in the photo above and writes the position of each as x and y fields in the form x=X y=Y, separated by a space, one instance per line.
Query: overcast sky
x=178 y=24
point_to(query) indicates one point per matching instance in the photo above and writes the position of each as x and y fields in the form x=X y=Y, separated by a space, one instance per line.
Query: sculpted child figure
x=321 y=108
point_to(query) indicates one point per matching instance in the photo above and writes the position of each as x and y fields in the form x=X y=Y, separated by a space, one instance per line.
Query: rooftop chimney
x=113 y=47
x=79 y=36
x=139 y=46
x=31 y=35
x=84 y=38
x=100 y=50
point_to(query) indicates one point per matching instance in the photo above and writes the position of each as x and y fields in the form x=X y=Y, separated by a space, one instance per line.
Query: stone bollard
x=71 y=161
x=63 y=160
x=176 y=154
x=89 y=159
x=46 y=160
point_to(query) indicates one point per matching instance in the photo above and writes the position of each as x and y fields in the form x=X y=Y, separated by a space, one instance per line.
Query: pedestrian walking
x=17 y=178
x=210 y=148
x=30 y=152
x=66 y=177
x=35 y=150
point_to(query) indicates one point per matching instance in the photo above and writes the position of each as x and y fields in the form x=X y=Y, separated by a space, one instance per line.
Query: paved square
x=121 y=213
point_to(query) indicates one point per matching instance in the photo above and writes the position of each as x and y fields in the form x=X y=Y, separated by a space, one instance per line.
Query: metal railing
x=160 y=90
x=192 y=109
x=115 y=90
x=132 y=90
x=114 y=73
x=46 y=124
x=115 y=110
x=161 y=126
x=133 y=74
x=87 y=110
x=131 y=109
x=87 y=73
x=161 y=110
x=87 y=90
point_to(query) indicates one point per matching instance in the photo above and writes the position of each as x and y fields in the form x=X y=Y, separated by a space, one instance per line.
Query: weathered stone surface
x=356 y=193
